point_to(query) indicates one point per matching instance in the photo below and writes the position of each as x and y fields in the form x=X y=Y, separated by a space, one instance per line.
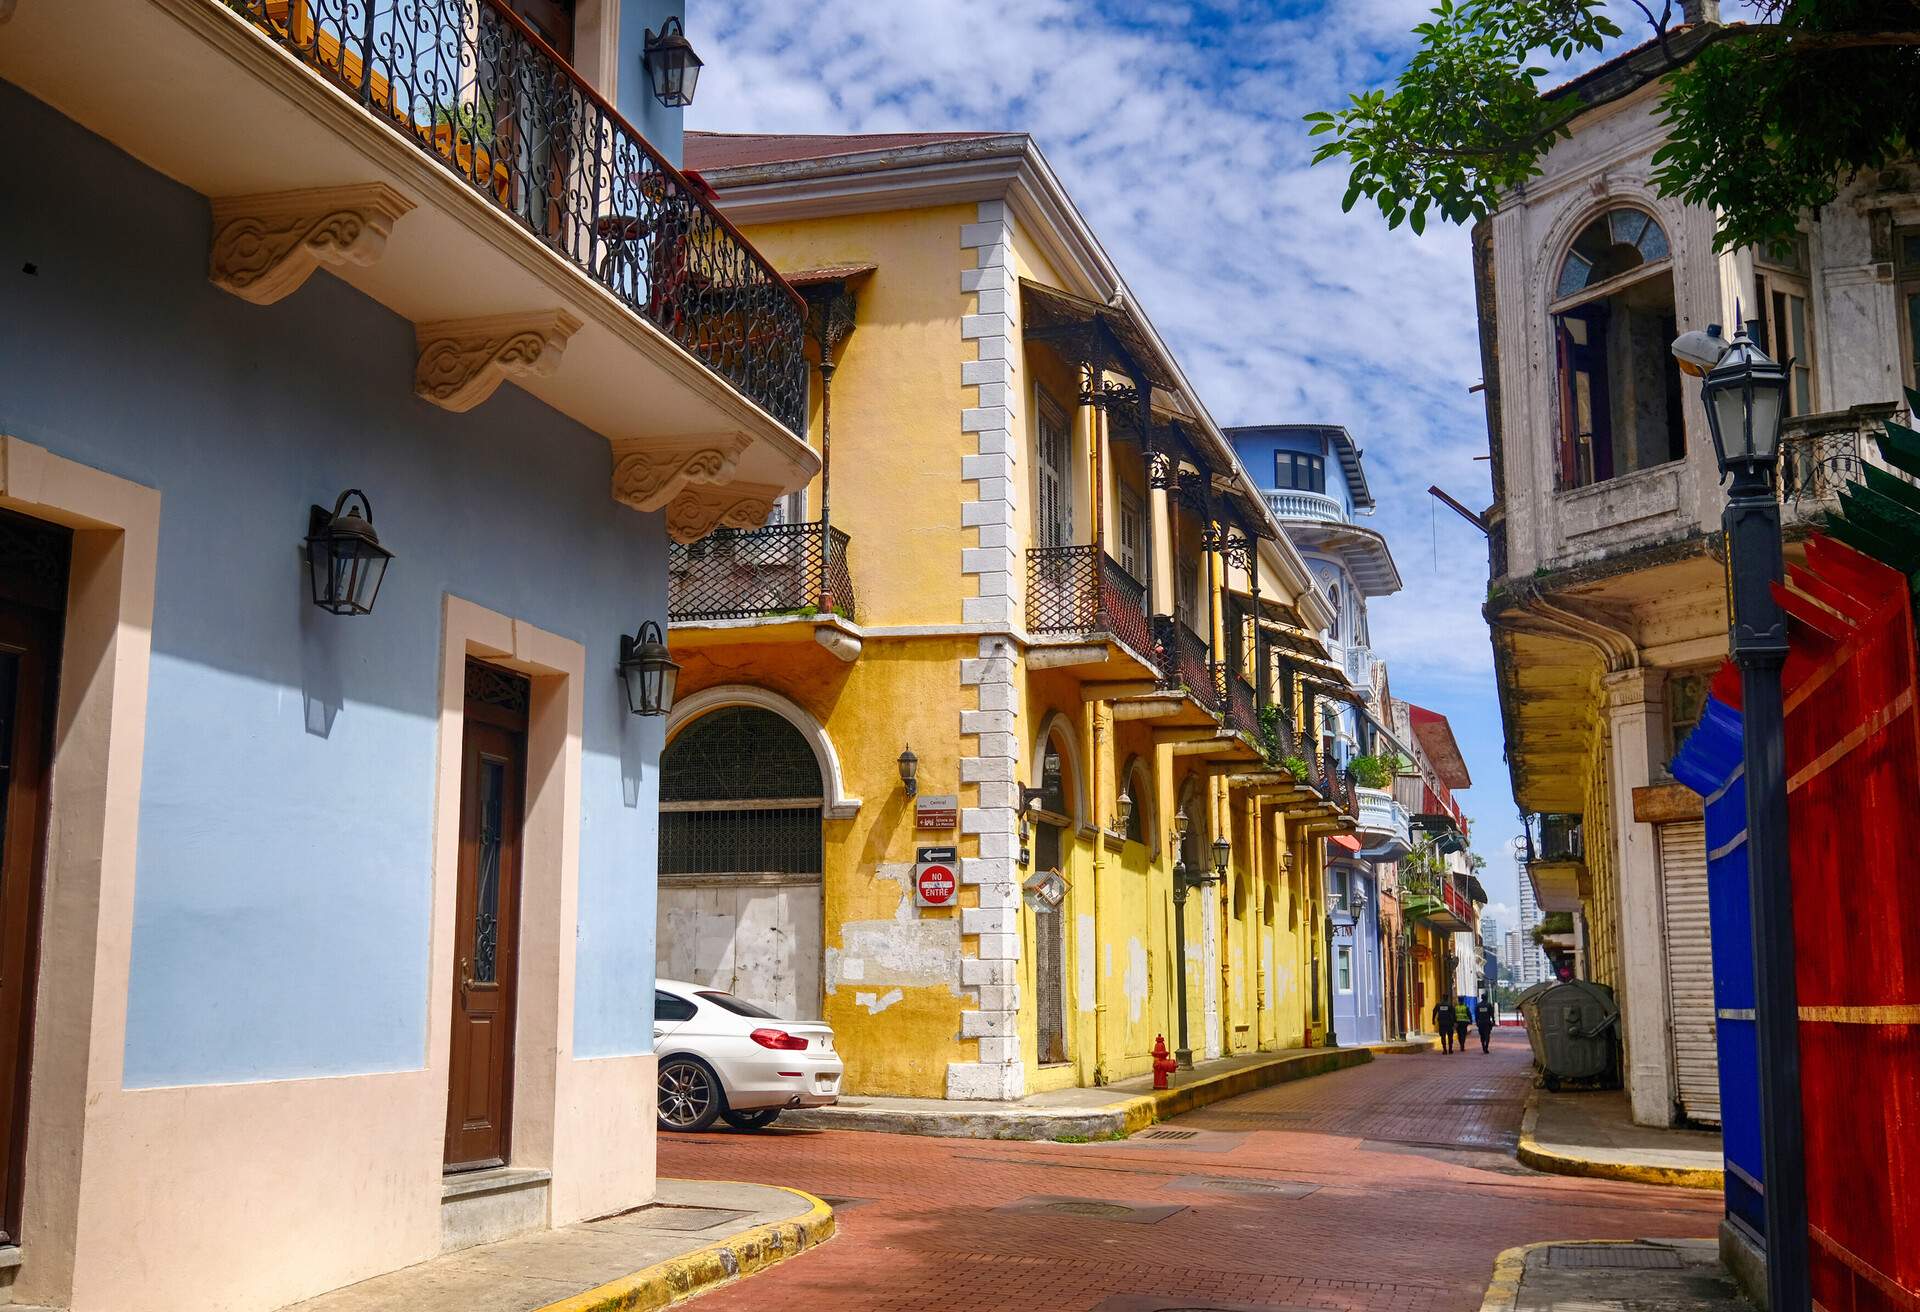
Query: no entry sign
x=936 y=877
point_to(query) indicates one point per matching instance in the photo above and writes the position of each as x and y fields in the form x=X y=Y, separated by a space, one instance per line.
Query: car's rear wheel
x=759 y=1119
x=689 y=1095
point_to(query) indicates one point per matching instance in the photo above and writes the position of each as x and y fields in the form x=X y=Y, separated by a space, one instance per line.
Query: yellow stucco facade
x=964 y=465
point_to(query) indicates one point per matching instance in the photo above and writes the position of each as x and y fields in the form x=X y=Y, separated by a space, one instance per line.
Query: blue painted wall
x=1257 y=445
x=1357 y=1015
x=283 y=880
x=633 y=96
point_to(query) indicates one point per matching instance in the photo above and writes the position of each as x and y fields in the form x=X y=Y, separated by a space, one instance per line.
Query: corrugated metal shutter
x=1683 y=869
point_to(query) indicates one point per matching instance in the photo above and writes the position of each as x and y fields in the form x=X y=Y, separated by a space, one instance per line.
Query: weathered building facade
x=1607 y=597
x=1033 y=619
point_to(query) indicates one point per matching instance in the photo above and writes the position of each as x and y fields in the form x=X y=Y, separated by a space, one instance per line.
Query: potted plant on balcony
x=1373 y=771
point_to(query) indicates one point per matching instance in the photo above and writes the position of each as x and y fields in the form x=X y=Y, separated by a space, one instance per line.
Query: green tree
x=1764 y=120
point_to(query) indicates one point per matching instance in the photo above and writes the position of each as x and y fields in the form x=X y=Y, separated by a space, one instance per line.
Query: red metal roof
x=1437 y=741
x=726 y=150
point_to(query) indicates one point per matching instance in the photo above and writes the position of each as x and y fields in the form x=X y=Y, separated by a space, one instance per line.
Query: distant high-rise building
x=1532 y=967
x=1510 y=956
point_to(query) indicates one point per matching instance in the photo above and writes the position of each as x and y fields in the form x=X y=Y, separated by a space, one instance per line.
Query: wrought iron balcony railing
x=472 y=86
x=1286 y=503
x=1184 y=662
x=767 y=572
x=1081 y=590
x=1237 y=704
x=1820 y=453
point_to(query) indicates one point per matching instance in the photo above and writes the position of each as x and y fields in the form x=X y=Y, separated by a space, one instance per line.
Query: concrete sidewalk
x=1593 y=1134
x=1110 y=1111
x=1598 y=1276
x=696 y=1235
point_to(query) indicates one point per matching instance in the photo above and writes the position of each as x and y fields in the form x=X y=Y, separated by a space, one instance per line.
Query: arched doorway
x=1054 y=823
x=740 y=859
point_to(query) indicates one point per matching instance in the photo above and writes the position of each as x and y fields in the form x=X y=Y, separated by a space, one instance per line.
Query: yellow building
x=1033 y=580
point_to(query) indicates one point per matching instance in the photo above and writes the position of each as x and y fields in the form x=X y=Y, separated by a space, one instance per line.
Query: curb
x=1115 y=1120
x=1503 y=1292
x=666 y=1283
x=1532 y=1154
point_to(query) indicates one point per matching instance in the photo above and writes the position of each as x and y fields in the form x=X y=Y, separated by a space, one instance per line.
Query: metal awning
x=1091 y=331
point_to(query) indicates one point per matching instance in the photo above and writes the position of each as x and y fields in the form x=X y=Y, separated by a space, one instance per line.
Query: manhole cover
x=1171 y=1134
x=1245 y=1185
x=1630 y=1256
x=1099 y=1209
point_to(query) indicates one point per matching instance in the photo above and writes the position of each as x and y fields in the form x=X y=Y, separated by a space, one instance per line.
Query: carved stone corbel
x=462 y=361
x=696 y=512
x=266 y=246
x=647 y=476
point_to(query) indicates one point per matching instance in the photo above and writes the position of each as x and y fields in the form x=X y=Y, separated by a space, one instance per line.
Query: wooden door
x=552 y=19
x=33 y=573
x=1049 y=958
x=486 y=920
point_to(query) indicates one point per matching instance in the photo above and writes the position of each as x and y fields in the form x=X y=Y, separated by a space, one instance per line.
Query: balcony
x=1239 y=707
x=778 y=572
x=1438 y=898
x=1080 y=594
x=1288 y=504
x=445 y=163
x=1383 y=825
x=1821 y=453
x=1359 y=664
x=1185 y=663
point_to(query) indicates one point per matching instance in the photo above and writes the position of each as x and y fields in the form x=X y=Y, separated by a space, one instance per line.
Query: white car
x=722 y=1056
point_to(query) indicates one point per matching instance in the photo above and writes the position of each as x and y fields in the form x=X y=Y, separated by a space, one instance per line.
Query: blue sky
x=1177 y=129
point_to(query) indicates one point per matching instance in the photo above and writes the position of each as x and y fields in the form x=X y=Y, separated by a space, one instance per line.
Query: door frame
x=542 y=1057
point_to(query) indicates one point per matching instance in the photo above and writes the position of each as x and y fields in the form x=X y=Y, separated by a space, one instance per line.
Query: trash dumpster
x=1573 y=1026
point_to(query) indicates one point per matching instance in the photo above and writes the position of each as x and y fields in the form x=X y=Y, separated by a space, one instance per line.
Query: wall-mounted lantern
x=648 y=671
x=671 y=64
x=344 y=555
x=1180 y=826
x=1123 y=809
x=1221 y=851
x=910 y=772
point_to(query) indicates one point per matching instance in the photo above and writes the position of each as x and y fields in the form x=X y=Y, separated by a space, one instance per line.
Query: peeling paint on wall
x=1083 y=953
x=906 y=950
x=1136 y=979
x=877 y=1003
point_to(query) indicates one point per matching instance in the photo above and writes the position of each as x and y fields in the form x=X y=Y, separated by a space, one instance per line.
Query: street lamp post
x=1181 y=1052
x=1745 y=396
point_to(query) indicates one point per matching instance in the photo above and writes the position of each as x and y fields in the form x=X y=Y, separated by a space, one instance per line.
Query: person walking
x=1443 y=1021
x=1483 y=1020
x=1463 y=1021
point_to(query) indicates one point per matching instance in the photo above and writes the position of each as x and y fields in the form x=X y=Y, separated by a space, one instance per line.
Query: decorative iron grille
x=1184 y=662
x=1083 y=590
x=740 y=794
x=1236 y=697
x=731 y=574
x=471 y=85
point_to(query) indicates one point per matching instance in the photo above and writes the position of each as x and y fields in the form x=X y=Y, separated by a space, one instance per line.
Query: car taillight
x=779 y=1039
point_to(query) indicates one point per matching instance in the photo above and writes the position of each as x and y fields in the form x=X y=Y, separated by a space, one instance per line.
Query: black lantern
x=1123 y=809
x=1746 y=396
x=344 y=555
x=1180 y=826
x=910 y=772
x=648 y=671
x=671 y=64
x=1220 y=854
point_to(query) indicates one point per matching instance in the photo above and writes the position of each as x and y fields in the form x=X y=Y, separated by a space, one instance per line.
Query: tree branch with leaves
x=1764 y=120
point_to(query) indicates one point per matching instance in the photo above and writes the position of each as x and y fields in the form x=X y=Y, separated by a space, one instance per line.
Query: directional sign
x=936 y=877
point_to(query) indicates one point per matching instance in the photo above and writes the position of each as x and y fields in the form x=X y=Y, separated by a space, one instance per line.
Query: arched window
x=1333 y=604
x=740 y=794
x=1141 y=825
x=1613 y=325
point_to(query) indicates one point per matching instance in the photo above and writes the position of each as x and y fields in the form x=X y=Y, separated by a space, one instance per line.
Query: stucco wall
x=280 y=919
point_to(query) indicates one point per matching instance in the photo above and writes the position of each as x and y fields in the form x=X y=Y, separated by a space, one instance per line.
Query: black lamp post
x=1745 y=394
x=671 y=64
x=648 y=671
x=345 y=560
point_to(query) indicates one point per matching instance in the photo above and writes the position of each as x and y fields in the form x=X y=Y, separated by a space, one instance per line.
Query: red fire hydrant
x=1163 y=1062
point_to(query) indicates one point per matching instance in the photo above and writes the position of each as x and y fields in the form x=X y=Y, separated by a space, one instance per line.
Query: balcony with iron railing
x=1439 y=897
x=1185 y=662
x=1821 y=453
x=1082 y=592
x=1239 y=706
x=781 y=571
x=472 y=86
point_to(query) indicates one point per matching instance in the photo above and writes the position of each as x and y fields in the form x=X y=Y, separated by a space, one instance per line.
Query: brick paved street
x=1390 y=1185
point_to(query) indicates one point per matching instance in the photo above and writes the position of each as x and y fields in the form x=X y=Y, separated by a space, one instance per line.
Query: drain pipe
x=1097 y=711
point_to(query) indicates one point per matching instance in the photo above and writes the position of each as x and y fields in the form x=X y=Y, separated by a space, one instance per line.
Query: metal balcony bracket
x=648 y=476
x=462 y=362
x=266 y=246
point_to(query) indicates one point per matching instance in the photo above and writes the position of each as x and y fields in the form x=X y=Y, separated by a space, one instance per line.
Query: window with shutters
x=1054 y=472
x=1785 y=319
x=1136 y=547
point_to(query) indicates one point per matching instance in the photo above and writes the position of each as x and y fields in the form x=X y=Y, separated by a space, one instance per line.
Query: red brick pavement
x=1413 y=1194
